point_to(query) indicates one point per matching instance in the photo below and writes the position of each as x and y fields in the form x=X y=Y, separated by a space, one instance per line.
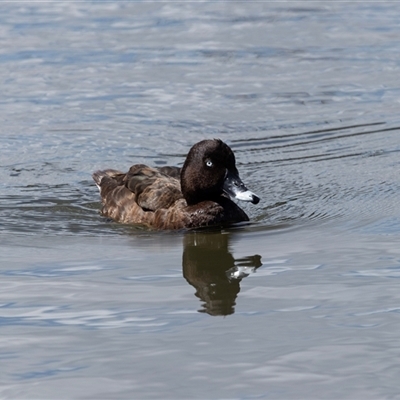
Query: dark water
x=301 y=303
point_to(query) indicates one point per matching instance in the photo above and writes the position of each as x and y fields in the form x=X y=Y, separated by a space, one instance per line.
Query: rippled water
x=301 y=303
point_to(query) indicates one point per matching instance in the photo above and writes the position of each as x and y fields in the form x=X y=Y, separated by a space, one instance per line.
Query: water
x=301 y=303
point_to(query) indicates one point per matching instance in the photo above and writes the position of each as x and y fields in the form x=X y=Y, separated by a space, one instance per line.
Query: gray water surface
x=302 y=302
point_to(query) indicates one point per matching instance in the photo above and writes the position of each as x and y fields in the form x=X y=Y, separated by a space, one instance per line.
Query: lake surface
x=303 y=302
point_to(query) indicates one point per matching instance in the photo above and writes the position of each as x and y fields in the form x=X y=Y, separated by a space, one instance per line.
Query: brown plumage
x=156 y=198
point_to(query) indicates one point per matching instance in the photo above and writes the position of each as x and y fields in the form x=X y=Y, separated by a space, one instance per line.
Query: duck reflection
x=211 y=269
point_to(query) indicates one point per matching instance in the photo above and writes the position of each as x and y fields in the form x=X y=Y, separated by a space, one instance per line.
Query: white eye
x=209 y=163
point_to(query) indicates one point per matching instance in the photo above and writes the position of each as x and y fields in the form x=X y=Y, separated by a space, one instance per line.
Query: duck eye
x=209 y=163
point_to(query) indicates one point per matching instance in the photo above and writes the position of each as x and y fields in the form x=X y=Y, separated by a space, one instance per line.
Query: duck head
x=210 y=171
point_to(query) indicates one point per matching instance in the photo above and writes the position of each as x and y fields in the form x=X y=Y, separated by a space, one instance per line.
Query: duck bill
x=235 y=188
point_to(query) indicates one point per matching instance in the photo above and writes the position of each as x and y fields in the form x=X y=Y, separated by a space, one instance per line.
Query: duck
x=169 y=198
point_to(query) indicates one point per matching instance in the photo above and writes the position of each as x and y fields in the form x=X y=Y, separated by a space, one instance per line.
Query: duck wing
x=174 y=172
x=154 y=188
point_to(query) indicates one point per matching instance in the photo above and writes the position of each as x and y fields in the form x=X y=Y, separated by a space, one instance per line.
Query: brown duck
x=197 y=195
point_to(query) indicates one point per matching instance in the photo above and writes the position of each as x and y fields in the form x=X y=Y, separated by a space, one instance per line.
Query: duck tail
x=99 y=175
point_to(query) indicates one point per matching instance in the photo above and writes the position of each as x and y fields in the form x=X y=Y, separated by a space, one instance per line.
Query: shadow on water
x=209 y=266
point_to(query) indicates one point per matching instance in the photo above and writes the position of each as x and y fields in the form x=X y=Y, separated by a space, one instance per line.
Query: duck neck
x=194 y=197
